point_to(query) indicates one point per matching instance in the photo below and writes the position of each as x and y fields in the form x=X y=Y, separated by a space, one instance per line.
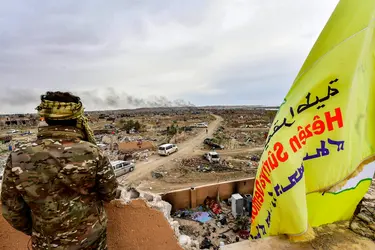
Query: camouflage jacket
x=53 y=189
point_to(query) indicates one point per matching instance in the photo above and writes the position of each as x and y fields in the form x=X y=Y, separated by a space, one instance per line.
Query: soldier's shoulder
x=23 y=151
x=37 y=146
x=88 y=146
x=27 y=147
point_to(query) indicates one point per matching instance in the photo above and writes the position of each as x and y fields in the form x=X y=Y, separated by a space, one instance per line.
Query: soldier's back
x=56 y=176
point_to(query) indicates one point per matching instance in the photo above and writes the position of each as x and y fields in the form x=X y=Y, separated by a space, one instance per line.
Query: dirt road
x=185 y=149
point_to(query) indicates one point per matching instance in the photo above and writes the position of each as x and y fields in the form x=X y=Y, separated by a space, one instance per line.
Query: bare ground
x=186 y=149
x=179 y=177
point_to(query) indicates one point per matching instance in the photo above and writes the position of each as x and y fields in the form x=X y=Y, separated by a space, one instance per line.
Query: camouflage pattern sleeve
x=14 y=208
x=106 y=182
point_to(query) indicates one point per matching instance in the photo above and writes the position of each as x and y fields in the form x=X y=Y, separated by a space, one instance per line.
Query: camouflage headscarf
x=66 y=111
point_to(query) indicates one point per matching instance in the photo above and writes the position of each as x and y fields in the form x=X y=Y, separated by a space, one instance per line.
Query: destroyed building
x=134 y=146
x=18 y=120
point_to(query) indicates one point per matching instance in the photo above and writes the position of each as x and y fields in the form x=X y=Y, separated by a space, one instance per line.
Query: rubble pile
x=241 y=138
x=135 y=220
x=3 y=159
x=137 y=156
x=183 y=136
x=249 y=119
x=255 y=138
x=155 y=202
x=236 y=139
x=108 y=138
x=254 y=156
x=213 y=224
x=188 y=170
x=198 y=164
x=256 y=124
x=158 y=174
x=112 y=155
x=4 y=147
x=142 y=155
x=364 y=222
x=137 y=138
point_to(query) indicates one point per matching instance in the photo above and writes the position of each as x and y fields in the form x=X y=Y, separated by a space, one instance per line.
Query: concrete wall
x=193 y=197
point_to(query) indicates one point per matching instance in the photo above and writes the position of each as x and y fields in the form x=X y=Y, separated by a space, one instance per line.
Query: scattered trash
x=206 y=243
x=244 y=234
x=202 y=217
x=223 y=236
x=156 y=175
x=183 y=214
x=213 y=205
x=213 y=223
x=184 y=240
x=204 y=168
x=221 y=244
x=242 y=223
x=223 y=219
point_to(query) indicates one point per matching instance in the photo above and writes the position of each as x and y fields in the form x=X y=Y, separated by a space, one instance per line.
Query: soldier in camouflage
x=53 y=188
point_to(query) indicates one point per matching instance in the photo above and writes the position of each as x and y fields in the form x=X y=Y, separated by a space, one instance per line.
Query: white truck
x=212 y=157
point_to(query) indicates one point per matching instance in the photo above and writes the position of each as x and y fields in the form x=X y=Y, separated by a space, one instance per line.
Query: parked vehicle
x=212 y=157
x=101 y=145
x=167 y=149
x=202 y=125
x=210 y=142
x=122 y=167
x=5 y=138
x=13 y=131
x=27 y=133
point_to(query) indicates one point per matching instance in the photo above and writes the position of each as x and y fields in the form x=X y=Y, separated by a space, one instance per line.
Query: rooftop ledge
x=331 y=236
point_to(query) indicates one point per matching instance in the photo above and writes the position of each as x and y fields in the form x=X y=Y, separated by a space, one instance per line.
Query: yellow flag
x=318 y=160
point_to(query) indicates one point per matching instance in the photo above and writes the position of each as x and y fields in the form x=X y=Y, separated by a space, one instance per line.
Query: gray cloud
x=113 y=99
x=92 y=99
x=18 y=97
x=203 y=51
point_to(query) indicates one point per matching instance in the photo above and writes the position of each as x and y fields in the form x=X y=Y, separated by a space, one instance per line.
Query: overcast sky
x=123 y=54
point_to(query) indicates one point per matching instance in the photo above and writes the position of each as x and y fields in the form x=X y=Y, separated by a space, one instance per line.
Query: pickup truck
x=210 y=142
